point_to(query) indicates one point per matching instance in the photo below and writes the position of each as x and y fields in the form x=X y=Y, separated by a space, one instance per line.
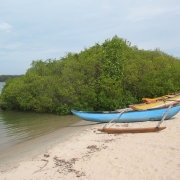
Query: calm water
x=17 y=127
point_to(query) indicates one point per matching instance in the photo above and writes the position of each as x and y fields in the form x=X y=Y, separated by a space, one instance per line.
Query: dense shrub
x=106 y=76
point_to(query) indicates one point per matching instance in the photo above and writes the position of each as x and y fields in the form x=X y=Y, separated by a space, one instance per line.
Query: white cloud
x=5 y=27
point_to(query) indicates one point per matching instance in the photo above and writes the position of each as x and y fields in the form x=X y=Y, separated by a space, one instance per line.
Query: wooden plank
x=131 y=130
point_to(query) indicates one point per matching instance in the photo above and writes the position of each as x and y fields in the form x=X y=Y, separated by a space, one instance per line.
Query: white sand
x=92 y=155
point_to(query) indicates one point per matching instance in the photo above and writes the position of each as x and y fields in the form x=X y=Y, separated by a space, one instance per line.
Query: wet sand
x=86 y=153
x=11 y=157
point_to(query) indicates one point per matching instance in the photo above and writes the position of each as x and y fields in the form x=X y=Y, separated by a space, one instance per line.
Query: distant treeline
x=106 y=76
x=3 y=78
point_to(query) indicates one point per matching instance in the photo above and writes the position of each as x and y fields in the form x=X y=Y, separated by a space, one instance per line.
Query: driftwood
x=42 y=166
x=131 y=130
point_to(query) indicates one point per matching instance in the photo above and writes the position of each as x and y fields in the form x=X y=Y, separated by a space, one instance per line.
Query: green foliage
x=12 y=88
x=0 y=100
x=62 y=109
x=103 y=77
x=113 y=58
x=4 y=78
x=151 y=74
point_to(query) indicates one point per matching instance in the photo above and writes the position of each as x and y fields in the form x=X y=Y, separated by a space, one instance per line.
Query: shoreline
x=86 y=153
x=35 y=146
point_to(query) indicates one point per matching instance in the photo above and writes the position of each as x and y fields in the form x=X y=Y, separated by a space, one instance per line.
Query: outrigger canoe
x=127 y=116
x=159 y=104
x=152 y=100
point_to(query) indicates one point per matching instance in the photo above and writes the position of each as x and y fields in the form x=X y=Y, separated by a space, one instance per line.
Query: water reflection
x=16 y=127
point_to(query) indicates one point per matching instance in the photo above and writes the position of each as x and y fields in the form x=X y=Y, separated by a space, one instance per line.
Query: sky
x=42 y=29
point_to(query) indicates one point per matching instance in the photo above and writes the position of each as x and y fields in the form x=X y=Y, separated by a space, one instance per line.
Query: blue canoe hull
x=128 y=116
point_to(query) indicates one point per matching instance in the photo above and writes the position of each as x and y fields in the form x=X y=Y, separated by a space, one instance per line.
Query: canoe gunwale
x=128 y=116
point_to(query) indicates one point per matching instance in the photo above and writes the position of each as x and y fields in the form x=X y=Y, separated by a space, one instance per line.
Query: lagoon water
x=17 y=127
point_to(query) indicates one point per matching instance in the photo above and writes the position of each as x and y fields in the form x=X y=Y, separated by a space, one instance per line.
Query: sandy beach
x=87 y=154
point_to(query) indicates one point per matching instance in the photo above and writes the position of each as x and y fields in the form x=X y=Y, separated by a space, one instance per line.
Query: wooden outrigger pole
x=135 y=130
